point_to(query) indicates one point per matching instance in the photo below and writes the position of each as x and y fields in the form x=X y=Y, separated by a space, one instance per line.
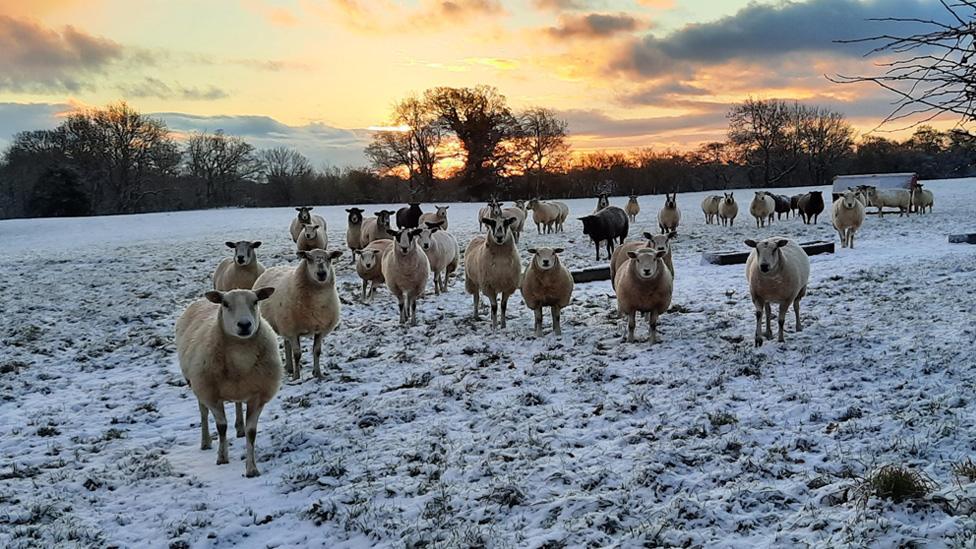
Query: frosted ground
x=446 y=435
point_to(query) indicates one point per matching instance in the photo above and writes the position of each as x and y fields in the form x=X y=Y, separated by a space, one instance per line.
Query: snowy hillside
x=446 y=435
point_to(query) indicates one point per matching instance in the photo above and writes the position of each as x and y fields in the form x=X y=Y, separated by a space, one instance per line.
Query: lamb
x=727 y=210
x=369 y=265
x=354 y=230
x=492 y=267
x=644 y=284
x=632 y=208
x=670 y=215
x=602 y=201
x=312 y=237
x=709 y=207
x=922 y=198
x=408 y=217
x=547 y=283
x=440 y=216
x=406 y=269
x=811 y=206
x=493 y=209
x=545 y=215
x=443 y=254
x=304 y=217
x=782 y=205
x=238 y=272
x=891 y=198
x=778 y=271
x=656 y=242
x=227 y=354
x=606 y=225
x=762 y=208
x=847 y=215
x=375 y=228
x=304 y=302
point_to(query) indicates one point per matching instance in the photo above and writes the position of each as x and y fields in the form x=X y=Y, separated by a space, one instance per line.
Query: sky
x=316 y=74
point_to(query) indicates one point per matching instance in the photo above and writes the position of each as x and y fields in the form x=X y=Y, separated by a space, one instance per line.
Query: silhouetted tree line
x=116 y=160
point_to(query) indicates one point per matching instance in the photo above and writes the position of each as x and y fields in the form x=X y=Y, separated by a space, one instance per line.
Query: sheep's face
x=602 y=201
x=768 y=254
x=499 y=230
x=239 y=316
x=318 y=265
x=426 y=236
x=531 y=205
x=303 y=215
x=243 y=251
x=442 y=211
x=671 y=201
x=368 y=258
x=645 y=262
x=589 y=224
x=355 y=215
x=383 y=218
x=404 y=240
x=309 y=231
x=545 y=258
x=728 y=199
x=660 y=242
x=633 y=198
x=849 y=200
x=520 y=204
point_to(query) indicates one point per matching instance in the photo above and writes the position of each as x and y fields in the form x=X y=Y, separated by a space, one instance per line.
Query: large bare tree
x=540 y=144
x=766 y=132
x=825 y=137
x=219 y=161
x=282 y=163
x=414 y=146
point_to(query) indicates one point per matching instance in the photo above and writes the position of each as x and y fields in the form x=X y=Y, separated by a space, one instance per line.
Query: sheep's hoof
x=240 y=433
x=759 y=342
x=222 y=460
x=317 y=374
x=252 y=473
x=206 y=445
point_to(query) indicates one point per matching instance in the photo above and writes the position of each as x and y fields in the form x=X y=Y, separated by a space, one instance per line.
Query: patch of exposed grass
x=965 y=470
x=895 y=483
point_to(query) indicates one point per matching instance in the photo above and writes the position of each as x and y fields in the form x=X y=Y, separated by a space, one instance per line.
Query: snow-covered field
x=446 y=435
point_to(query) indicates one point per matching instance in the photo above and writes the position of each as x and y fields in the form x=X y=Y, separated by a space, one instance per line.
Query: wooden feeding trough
x=738 y=258
x=593 y=274
x=969 y=238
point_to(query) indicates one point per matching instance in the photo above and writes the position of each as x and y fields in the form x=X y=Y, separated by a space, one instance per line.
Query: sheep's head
x=728 y=198
x=318 y=264
x=383 y=217
x=671 y=200
x=545 y=258
x=239 y=316
x=602 y=201
x=303 y=215
x=309 y=230
x=633 y=198
x=589 y=223
x=660 y=242
x=404 y=239
x=243 y=251
x=442 y=211
x=355 y=215
x=520 y=204
x=768 y=252
x=369 y=258
x=426 y=236
x=849 y=199
x=645 y=262
x=531 y=205
x=499 y=230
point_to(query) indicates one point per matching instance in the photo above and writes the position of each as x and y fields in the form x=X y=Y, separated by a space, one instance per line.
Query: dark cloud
x=593 y=25
x=596 y=123
x=664 y=93
x=38 y=59
x=154 y=87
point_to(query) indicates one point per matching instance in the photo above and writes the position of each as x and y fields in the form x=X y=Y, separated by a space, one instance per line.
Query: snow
x=445 y=434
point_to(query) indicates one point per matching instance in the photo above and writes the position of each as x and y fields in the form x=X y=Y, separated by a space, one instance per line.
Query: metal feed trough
x=906 y=181
x=738 y=258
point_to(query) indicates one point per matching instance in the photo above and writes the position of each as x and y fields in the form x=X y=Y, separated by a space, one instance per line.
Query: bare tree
x=825 y=137
x=414 y=147
x=718 y=158
x=540 y=144
x=282 y=163
x=766 y=131
x=219 y=161
x=932 y=73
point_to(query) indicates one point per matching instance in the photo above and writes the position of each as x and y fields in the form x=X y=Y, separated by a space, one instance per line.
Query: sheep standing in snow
x=811 y=206
x=238 y=272
x=405 y=269
x=606 y=225
x=670 y=215
x=644 y=285
x=493 y=210
x=656 y=242
x=304 y=217
x=547 y=283
x=632 y=208
x=778 y=271
x=227 y=354
x=442 y=252
x=354 y=230
x=922 y=199
x=408 y=217
x=563 y=214
x=519 y=215
x=305 y=302
x=782 y=205
x=439 y=216
x=545 y=215
x=709 y=207
x=762 y=208
x=795 y=204
x=889 y=198
x=375 y=228
x=847 y=215
x=492 y=267
x=602 y=201
x=369 y=265
x=727 y=210
x=312 y=237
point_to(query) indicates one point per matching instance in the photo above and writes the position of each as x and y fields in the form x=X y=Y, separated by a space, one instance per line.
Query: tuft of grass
x=895 y=483
x=722 y=418
x=965 y=470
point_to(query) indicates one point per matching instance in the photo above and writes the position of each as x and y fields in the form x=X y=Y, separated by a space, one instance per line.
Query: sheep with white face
x=778 y=271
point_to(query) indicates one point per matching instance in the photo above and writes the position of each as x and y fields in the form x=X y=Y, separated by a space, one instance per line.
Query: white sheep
x=922 y=199
x=354 y=230
x=406 y=269
x=369 y=265
x=563 y=214
x=439 y=216
x=670 y=215
x=644 y=285
x=778 y=271
x=304 y=217
x=728 y=209
x=710 y=208
x=492 y=267
x=847 y=216
x=442 y=252
x=547 y=283
x=519 y=215
x=632 y=208
x=374 y=228
x=493 y=209
x=656 y=242
x=312 y=237
x=305 y=302
x=602 y=201
x=545 y=215
x=238 y=272
x=889 y=198
x=227 y=354
x=763 y=207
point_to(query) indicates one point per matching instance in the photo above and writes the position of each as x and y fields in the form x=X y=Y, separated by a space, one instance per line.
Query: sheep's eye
x=225 y=305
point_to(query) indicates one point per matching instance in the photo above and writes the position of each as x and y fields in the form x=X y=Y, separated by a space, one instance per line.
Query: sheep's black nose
x=764 y=268
x=244 y=326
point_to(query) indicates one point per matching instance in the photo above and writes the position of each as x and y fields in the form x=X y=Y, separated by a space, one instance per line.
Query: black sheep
x=408 y=217
x=811 y=205
x=782 y=205
x=605 y=225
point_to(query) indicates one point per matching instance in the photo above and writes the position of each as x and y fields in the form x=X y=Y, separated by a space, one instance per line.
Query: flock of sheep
x=228 y=344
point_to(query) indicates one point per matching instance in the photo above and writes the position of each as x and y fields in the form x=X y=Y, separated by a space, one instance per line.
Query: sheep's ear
x=672 y=234
x=298 y=209
x=230 y=244
x=256 y=244
x=302 y=254
x=509 y=220
x=416 y=232
x=782 y=242
x=648 y=235
x=660 y=253
x=334 y=254
x=446 y=207
x=751 y=243
x=532 y=250
x=379 y=213
x=393 y=233
x=357 y=252
x=559 y=250
x=264 y=293
x=632 y=255
x=315 y=226
x=309 y=208
x=214 y=296
x=488 y=221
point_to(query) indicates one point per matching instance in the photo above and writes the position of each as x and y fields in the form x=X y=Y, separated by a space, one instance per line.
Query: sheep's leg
x=365 y=294
x=538 y=321
x=204 y=427
x=556 y=329
x=783 y=308
x=759 y=315
x=609 y=248
x=796 y=312
x=652 y=326
x=631 y=325
x=841 y=234
x=239 y=419
x=254 y=408
x=316 y=354
x=850 y=237
x=769 y=329
x=403 y=310
x=221 y=419
x=296 y=349
x=493 y=297
x=372 y=290
x=412 y=301
x=597 y=250
x=289 y=359
x=477 y=303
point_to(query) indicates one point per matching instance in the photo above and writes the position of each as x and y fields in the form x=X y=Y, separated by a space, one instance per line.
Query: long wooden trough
x=593 y=274
x=737 y=258
x=969 y=238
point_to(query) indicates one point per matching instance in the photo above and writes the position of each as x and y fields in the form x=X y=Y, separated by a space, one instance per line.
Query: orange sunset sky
x=315 y=74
